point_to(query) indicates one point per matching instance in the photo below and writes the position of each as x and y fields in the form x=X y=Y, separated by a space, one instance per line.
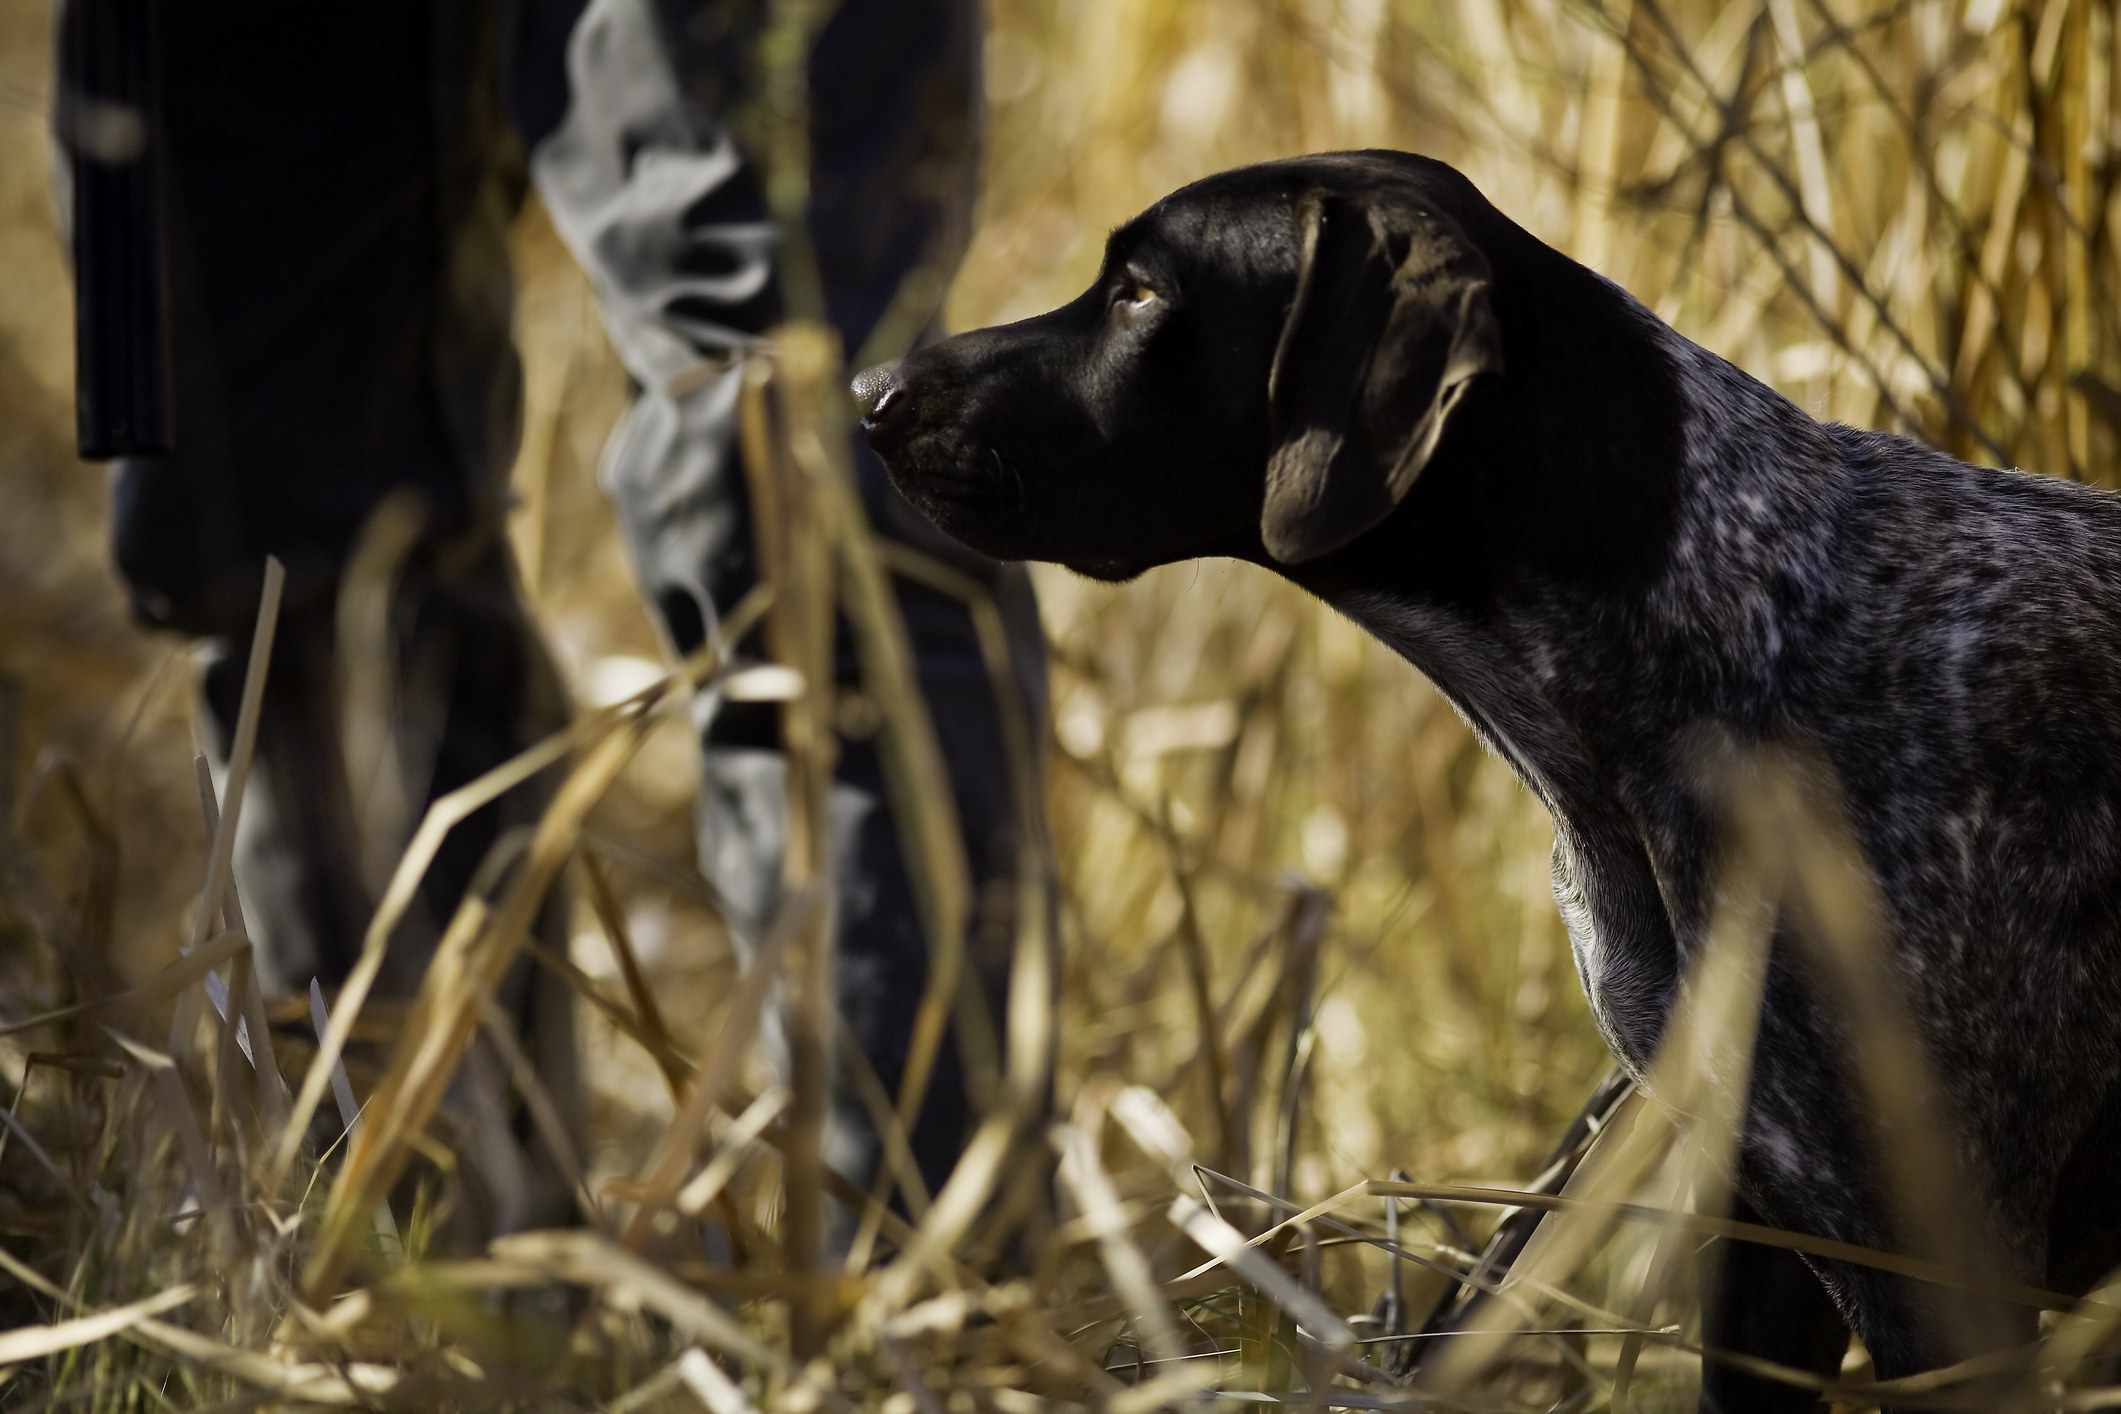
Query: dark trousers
x=339 y=180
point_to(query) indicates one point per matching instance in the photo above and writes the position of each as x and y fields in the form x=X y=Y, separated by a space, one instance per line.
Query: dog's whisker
x=1012 y=483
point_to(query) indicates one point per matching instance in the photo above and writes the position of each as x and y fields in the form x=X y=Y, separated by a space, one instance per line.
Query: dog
x=1599 y=540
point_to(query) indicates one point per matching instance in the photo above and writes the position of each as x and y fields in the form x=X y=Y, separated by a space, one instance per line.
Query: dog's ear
x=1390 y=324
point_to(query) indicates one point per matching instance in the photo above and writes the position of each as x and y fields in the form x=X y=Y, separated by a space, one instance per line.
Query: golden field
x=1297 y=903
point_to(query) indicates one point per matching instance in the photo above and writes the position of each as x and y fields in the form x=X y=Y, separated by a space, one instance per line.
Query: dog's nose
x=878 y=394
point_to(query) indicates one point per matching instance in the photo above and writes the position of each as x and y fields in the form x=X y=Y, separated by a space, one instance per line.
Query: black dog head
x=1264 y=366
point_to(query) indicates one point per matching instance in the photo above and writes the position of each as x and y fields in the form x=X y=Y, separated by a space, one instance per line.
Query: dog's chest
x=1504 y=686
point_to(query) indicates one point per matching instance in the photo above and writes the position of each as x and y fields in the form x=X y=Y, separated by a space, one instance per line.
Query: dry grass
x=1306 y=938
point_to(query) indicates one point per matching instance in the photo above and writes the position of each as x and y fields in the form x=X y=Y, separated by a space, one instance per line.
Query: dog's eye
x=1134 y=299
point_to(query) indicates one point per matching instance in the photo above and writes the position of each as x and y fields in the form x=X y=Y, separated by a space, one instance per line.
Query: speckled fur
x=1949 y=636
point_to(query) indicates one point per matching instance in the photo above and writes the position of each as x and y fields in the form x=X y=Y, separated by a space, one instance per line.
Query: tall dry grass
x=1305 y=934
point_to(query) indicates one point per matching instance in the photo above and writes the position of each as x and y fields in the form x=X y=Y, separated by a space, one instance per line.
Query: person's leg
x=644 y=175
x=339 y=333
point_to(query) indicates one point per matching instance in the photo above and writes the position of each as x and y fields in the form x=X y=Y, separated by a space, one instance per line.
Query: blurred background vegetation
x=1902 y=213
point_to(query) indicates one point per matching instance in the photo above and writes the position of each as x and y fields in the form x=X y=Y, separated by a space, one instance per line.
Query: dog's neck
x=1568 y=582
